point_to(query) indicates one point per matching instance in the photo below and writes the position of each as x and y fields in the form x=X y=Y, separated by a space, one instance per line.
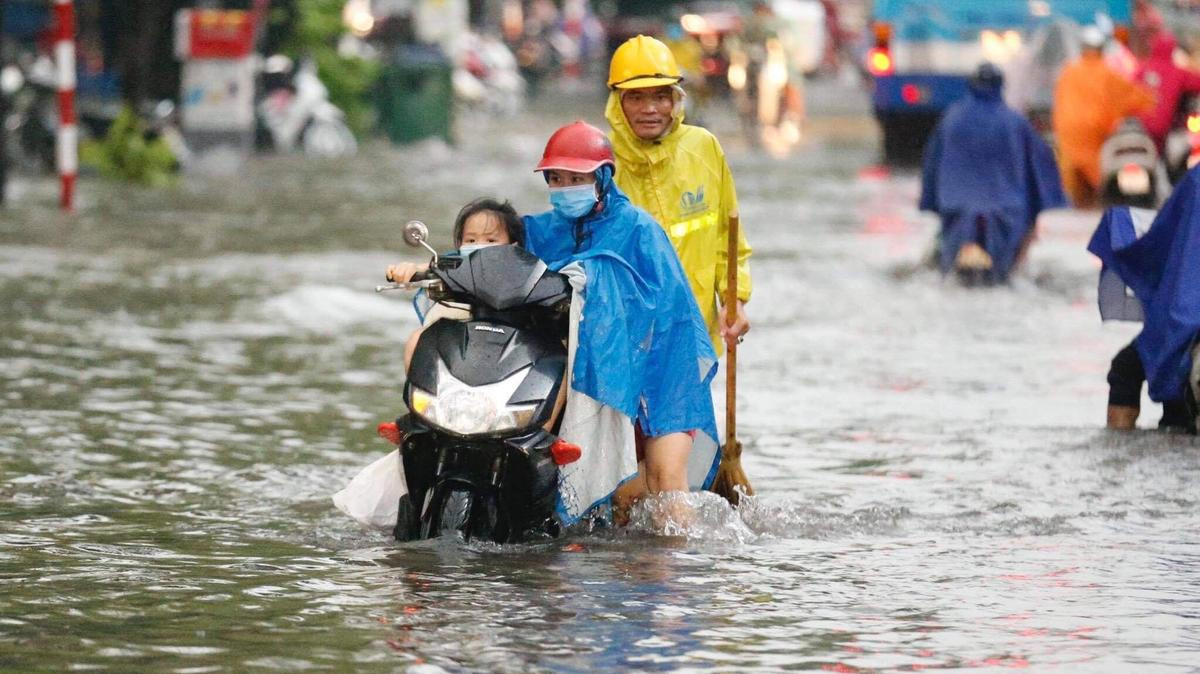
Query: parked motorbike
x=477 y=454
x=487 y=75
x=1182 y=151
x=1130 y=172
x=295 y=111
x=31 y=121
x=543 y=51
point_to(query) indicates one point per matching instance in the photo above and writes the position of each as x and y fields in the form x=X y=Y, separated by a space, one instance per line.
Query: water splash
x=695 y=516
x=704 y=517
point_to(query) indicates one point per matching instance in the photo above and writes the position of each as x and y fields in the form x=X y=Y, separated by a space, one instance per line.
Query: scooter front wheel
x=455 y=513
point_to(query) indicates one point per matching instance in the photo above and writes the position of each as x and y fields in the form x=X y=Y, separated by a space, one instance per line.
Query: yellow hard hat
x=642 y=62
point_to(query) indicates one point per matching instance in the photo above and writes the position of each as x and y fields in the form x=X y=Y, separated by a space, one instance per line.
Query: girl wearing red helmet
x=642 y=347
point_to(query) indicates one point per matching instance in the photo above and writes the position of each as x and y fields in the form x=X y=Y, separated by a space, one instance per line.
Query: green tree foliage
x=127 y=152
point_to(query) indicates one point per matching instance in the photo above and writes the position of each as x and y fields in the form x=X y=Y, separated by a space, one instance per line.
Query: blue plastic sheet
x=1162 y=268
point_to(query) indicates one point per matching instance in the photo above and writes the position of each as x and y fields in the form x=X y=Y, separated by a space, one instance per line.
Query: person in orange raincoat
x=1089 y=101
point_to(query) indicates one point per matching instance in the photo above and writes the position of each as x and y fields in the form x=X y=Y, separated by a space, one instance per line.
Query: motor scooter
x=487 y=75
x=478 y=453
x=295 y=111
x=31 y=119
x=1130 y=171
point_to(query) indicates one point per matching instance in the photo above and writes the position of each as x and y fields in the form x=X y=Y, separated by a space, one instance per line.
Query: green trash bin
x=415 y=95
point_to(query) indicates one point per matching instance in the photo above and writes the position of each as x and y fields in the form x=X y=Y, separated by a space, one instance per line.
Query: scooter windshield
x=502 y=277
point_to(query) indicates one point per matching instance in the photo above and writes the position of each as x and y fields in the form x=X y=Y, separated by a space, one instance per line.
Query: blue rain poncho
x=643 y=348
x=989 y=175
x=1162 y=268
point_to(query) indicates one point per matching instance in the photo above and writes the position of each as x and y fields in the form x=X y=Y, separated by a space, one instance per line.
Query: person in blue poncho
x=643 y=348
x=988 y=174
x=1161 y=265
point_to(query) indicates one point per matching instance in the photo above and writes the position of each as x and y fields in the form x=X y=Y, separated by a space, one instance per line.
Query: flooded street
x=188 y=374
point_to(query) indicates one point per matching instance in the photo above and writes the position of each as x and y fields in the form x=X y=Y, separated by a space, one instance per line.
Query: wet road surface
x=188 y=374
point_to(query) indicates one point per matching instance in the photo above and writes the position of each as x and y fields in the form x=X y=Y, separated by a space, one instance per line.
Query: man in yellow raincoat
x=678 y=173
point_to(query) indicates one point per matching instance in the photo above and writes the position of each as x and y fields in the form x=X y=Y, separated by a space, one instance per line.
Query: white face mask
x=468 y=248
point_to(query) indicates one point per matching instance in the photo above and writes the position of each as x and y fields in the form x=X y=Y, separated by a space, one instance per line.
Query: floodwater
x=188 y=374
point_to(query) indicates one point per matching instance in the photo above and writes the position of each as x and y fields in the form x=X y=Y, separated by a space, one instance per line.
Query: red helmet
x=578 y=147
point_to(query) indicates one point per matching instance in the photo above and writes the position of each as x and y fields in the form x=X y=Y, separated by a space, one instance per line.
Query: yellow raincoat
x=684 y=181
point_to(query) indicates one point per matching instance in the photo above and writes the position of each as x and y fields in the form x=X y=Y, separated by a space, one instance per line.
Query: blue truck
x=923 y=51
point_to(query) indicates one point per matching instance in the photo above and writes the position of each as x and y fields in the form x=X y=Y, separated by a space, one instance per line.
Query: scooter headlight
x=11 y=80
x=472 y=410
x=1133 y=179
x=466 y=412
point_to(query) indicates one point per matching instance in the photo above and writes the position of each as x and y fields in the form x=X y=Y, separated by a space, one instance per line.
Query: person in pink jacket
x=1170 y=82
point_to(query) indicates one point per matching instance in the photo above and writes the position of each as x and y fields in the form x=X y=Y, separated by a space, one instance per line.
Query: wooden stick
x=731 y=481
x=731 y=299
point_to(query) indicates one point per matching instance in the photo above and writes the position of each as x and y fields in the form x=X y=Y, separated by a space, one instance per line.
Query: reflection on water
x=188 y=375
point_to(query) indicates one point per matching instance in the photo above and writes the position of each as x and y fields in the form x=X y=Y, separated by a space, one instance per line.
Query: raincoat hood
x=986 y=83
x=989 y=174
x=629 y=147
x=643 y=348
x=1160 y=268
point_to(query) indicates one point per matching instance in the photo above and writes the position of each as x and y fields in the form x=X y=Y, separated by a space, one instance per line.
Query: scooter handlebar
x=414 y=284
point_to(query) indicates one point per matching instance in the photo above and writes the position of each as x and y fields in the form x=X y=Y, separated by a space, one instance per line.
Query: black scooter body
x=478 y=353
x=1129 y=145
x=499 y=486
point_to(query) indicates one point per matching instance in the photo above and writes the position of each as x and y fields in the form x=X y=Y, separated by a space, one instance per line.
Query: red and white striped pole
x=68 y=131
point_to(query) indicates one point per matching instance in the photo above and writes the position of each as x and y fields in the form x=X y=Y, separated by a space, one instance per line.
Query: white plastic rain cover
x=603 y=434
x=372 y=498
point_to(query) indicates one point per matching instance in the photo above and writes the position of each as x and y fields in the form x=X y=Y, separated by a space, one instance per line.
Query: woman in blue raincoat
x=642 y=348
x=1161 y=265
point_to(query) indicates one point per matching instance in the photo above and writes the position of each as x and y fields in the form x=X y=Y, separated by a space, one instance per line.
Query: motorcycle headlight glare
x=1133 y=179
x=11 y=80
x=472 y=410
x=466 y=411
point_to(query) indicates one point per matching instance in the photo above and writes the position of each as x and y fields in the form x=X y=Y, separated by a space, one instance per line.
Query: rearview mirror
x=415 y=233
